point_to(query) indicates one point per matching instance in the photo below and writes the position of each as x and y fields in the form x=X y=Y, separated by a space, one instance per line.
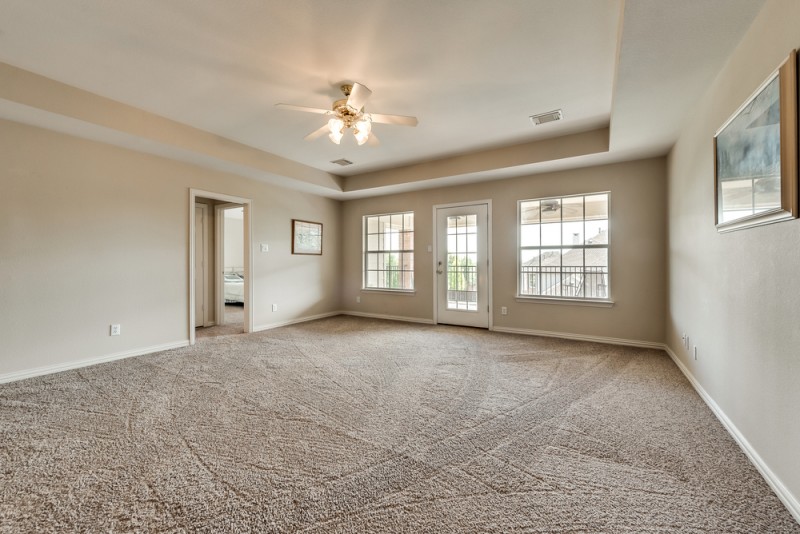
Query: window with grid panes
x=389 y=251
x=563 y=248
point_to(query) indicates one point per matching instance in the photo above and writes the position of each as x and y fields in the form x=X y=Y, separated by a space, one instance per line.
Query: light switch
x=264 y=247
x=430 y=248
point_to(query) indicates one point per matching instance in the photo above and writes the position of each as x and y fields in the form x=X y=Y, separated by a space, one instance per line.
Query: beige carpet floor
x=357 y=425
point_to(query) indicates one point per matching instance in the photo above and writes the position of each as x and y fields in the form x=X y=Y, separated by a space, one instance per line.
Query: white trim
x=407 y=292
x=596 y=303
x=270 y=326
x=387 y=317
x=489 y=257
x=757 y=219
x=59 y=367
x=790 y=501
x=582 y=337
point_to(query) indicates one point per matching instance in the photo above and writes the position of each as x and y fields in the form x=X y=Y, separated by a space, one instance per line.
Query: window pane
x=572 y=258
x=408 y=221
x=372 y=242
x=597 y=206
x=372 y=262
x=529 y=212
x=597 y=232
x=529 y=235
x=572 y=209
x=372 y=279
x=551 y=234
x=397 y=221
x=573 y=233
x=372 y=225
x=551 y=210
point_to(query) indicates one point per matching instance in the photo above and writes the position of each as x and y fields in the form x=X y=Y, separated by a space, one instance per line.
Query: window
x=563 y=248
x=389 y=251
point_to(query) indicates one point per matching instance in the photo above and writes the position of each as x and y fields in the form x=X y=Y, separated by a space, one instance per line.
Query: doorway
x=462 y=275
x=207 y=264
x=230 y=260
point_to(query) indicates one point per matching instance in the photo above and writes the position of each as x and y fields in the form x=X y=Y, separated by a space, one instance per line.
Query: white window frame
x=551 y=299
x=366 y=252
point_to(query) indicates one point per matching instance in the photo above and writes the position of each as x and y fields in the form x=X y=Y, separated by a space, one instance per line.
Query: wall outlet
x=274 y=307
x=358 y=299
x=503 y=310
x=116 y=330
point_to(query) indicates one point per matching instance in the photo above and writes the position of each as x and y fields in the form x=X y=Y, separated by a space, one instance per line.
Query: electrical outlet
x=358 y=300
x=274 y=307
x=116 y=330
x=503 y=310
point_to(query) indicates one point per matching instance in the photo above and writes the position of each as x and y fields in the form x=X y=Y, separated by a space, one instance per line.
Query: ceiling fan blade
x=359 y=95
x=317 y=133
x=373 y=140
x=304 y=108
x=400 y=120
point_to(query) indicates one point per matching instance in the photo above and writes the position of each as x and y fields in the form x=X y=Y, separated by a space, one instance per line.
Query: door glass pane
x=462 y=260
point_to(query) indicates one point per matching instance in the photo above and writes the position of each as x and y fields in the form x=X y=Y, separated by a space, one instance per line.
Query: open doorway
x=230 y=250
x=220 y=265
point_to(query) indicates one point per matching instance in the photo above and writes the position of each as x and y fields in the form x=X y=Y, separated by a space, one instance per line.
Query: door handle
x=439 y=270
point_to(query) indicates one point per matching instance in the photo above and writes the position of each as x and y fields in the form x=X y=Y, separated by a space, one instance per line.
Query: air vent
x=343 y=162
x=543 y=118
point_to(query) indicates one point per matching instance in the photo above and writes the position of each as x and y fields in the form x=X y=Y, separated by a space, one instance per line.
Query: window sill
x=594 y=303
x=407 y=292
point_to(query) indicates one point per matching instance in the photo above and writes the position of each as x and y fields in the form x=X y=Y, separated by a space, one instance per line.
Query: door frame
x=207 y=265
x=489 y=259
x=248 y=256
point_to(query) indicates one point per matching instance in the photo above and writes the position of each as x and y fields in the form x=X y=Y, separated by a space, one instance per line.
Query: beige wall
x=638 y=190
x=737 y=295
x=92 y=234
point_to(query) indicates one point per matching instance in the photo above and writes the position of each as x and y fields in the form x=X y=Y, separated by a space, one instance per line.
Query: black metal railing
x=583 y=282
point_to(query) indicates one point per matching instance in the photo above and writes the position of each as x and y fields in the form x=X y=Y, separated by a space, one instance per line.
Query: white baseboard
x=388 y=317
x=581 y=337
x=789 y=500
x=57 y=368
x=270 y=326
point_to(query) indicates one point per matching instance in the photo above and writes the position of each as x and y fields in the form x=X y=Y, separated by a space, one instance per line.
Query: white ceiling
x=472 y=71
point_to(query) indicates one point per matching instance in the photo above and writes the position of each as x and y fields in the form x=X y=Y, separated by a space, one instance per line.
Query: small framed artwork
x=306 y=237
x=755 y=155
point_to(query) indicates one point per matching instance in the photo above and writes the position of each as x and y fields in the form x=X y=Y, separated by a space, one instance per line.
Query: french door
x=462 y=267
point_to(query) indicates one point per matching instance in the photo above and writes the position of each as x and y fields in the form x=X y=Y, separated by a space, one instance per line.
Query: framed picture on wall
x=306 y=237
x=755 y=155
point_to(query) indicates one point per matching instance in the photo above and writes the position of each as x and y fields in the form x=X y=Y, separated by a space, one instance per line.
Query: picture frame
x=306 y=237
x=756 y=155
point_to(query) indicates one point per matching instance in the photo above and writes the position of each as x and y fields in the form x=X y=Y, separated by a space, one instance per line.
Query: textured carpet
x=233 y=324
x=357 y=425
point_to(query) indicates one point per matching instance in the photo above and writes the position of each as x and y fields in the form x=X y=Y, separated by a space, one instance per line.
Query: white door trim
x=208 y=266
x=489 y=258
x=248 y=256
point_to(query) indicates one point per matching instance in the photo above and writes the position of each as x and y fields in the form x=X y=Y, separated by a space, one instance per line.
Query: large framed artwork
x=306 y=237
x=755 y=155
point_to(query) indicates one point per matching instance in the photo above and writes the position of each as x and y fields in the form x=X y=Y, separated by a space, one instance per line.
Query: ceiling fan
x=349 y=112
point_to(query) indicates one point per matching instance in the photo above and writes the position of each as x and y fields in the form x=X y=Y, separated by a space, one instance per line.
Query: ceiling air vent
x=543 y=118
x=343 y=162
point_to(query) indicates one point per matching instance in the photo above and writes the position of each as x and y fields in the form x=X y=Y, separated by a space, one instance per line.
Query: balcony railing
x=581 y=282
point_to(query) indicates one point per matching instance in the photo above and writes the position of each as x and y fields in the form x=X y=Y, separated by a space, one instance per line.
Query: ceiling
x=198 y=80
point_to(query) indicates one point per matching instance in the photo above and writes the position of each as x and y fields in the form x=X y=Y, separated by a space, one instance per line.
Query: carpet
x=358 y=425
